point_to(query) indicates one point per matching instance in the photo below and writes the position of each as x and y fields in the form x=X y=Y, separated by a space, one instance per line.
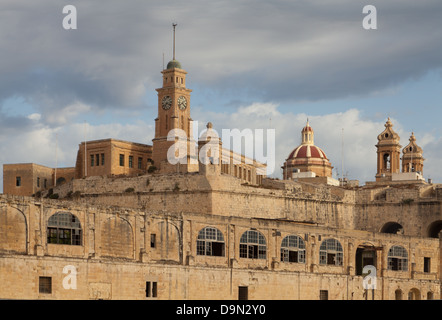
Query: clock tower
x=173 y=113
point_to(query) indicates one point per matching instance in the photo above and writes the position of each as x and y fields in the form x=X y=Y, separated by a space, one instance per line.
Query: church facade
x=220 y=230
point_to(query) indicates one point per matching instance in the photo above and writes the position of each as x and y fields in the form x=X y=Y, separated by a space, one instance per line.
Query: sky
x=251 y=64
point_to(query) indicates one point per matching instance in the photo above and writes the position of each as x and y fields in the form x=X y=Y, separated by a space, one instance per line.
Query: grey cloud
x=274 y=50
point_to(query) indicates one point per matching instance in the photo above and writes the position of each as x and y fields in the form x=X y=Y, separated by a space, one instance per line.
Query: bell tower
x=173 y=114
x=412 y=159
x=388 y=152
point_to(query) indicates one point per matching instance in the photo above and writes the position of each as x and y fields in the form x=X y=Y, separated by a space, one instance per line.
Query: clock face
x=166 y=102
x=182 y=103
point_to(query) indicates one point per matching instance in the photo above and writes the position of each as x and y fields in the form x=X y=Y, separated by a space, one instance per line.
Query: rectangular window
x=148 y=289
x=323 y=294
x=243 y=250
x=64 y=236
x=154 y=289
x=427 y=264
x=331 y=258
x=102 y=159
x=45 y=183
x=151 y=289
x=97 y=157
x=153 y=240
x=38 y=182
x=140 y=163
x=243 y=293
x=92 y=160
x=131 y=161
x=121 y=160
x=17 y=181
x=45 y=285
x=397 y=264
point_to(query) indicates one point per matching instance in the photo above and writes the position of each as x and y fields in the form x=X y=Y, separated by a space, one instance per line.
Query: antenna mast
x=174 y=25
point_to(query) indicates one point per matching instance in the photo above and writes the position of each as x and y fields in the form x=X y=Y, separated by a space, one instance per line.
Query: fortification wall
x=219 y=195
x=118 y=255
x=416 y=208
x=104 y=280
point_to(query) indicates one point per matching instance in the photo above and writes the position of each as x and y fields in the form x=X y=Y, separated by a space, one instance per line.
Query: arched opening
x=64 y=228
x=13 y=230
x=392 y=227
x=117 y=240
x=293 y=249
x=252 y=245
x=387 y=161
x=398 y=294
x=397 y=259
x=414 y=294
x=210 y=242
x=435 y=229
x=331 y=253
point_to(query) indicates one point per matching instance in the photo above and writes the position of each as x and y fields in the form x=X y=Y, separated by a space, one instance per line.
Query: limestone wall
x=118 y=255
x=123 y=280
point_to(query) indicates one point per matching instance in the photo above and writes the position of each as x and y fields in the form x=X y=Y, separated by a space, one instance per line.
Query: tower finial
x=174 y=25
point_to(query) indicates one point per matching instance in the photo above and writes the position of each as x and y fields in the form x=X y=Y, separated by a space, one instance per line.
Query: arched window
x=210 y=242
x=293 y=249
x=397 y=259
x=64 y=228
x=252 y=245
x=330 y=252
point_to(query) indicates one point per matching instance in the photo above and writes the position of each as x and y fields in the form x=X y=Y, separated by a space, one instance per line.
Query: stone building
x=111 y=157
x=215 y=230
x=26 y=179
x=412 y=159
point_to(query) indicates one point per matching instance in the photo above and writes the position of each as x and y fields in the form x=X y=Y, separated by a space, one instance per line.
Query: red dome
x=307 y=151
